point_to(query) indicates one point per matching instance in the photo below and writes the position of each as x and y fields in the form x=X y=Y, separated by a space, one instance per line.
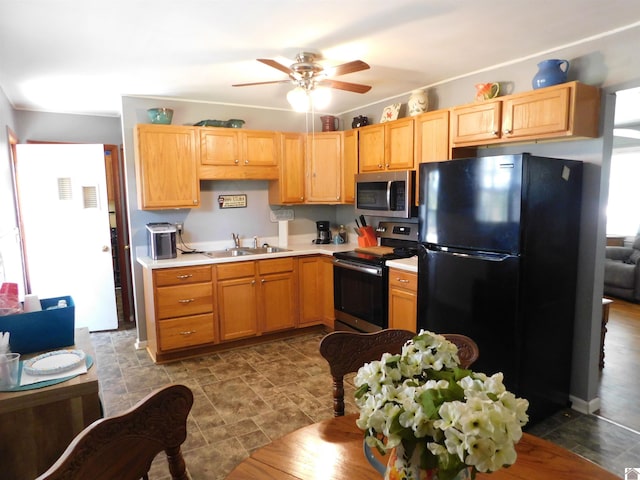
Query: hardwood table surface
x=37 y=425
x=333 y=449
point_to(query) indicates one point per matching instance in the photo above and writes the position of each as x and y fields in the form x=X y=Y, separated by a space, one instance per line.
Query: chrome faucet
x=255 y=242
x=236 y=239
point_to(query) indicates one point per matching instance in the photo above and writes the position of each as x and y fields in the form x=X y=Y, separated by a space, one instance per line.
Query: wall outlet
x=281 y=214
x=179 y=227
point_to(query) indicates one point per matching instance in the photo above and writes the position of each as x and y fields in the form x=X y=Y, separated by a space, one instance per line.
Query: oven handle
x=377 y=271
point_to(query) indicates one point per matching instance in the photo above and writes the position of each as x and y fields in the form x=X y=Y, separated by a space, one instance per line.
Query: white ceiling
x=81 y=56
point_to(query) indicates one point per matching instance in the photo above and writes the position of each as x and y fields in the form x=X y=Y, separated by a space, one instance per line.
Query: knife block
x=367 y=237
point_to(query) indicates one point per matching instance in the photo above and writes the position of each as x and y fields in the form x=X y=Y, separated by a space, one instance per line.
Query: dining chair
x=346 y=352
x=123 y=447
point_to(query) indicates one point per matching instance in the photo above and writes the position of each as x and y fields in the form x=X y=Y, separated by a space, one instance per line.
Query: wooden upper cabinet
x=166 y=166
x=289 y=188
x=431 y=137
x=561 y=111
x=371 y=148
x=386 y=146
x=398 y=144
x=476 y=123
x=228 y=153
x=324 y=167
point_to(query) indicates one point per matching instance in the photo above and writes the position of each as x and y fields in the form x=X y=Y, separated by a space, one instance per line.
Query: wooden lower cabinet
x=316 y=291
x=403 y=299
x=189 y=310
x=179 y=309
x=256 y=297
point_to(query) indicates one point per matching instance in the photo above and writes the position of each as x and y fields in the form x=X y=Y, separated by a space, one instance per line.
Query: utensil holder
x=367 y=237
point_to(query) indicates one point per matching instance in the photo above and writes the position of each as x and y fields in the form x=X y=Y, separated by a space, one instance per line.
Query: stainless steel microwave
x=386 y=194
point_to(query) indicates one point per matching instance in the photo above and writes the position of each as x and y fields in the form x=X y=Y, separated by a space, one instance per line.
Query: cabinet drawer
x=179 y=276
x=236 y=270
x=184 y=300
x=186 y=332
x=403 y=279
x=275 y=265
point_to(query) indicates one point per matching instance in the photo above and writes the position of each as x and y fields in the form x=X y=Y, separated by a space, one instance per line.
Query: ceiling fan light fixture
x=298 y=99
x=320 y=97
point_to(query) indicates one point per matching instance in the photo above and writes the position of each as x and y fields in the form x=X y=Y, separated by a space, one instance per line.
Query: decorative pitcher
x=550 y=72
x=486 y=91
x=329 y=123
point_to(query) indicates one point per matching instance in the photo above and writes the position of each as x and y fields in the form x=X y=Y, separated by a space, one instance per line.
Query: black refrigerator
x=497 y=261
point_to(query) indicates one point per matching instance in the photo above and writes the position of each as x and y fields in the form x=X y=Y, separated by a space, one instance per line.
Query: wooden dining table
x=333 y=449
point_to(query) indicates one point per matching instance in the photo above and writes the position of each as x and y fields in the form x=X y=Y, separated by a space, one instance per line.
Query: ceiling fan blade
x=349 y=87
x=260 y=83
x=276 y=65
x=350 y=67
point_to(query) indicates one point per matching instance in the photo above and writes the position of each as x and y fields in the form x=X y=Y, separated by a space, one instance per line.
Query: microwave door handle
x=389 y=184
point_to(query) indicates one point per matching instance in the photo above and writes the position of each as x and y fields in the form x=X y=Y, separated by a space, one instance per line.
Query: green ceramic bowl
x=160 y=115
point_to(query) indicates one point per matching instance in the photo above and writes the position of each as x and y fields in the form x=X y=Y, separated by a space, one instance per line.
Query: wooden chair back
x=122 y=447
x=346 y=352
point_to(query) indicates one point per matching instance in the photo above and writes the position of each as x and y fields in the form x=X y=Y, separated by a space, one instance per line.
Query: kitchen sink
x=239 y=252
x=260 y=250
x=229 y=252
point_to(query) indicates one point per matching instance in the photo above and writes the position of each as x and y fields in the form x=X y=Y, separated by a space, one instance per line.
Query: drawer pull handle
x=187 y=300
x=402 y=280
x=188 y=332
x=182 y=277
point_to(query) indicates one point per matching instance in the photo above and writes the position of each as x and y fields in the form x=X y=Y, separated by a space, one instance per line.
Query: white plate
x=54 y=362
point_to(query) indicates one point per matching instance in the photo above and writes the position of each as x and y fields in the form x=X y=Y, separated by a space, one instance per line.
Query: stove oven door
x=360 y=296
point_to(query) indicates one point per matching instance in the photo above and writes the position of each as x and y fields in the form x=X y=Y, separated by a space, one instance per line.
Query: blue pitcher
x=550 y=72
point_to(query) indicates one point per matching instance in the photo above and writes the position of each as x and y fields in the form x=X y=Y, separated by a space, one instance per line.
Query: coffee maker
x=324 y=232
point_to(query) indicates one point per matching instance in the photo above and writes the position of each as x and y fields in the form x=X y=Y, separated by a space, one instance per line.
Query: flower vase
x=401 y=466
x=418 y=102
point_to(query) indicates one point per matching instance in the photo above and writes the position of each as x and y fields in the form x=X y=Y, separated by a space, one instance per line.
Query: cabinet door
x=349 y=166
x=403 y=299
x=289 y=188
x=432 y=136
x=310 y=288
x=324 y=171
x=277 y=301
x=237 y=303
x=167 y=167
x=398 y=145
x=475 y=123
x=219 y=147
x=536 y=113
x=402 y=309
x=371 y=148
x=260 y=148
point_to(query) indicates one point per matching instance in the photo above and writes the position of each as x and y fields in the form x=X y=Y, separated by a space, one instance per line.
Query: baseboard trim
x=140 y=344
x=582 y=406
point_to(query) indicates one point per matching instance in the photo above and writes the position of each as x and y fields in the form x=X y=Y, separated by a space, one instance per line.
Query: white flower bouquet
x=422 y=396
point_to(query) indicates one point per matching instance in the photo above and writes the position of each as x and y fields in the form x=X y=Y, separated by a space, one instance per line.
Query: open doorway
x=618 y=386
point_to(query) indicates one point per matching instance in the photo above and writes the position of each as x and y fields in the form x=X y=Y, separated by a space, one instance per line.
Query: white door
x=63 y=203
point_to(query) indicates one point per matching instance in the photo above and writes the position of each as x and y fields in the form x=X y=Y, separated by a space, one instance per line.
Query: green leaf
x=362 y=390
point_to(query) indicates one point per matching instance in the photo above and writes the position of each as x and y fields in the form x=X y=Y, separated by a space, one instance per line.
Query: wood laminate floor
x=620 y=378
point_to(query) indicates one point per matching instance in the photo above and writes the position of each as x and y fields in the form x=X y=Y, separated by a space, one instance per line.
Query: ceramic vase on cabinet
x=550 y=72
x=418 y=102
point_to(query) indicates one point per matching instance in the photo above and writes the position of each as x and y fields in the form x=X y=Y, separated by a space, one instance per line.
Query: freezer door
x=475 y=295
x=472 y=203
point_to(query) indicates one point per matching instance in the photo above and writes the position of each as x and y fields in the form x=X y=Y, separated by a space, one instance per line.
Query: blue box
x=45 y=330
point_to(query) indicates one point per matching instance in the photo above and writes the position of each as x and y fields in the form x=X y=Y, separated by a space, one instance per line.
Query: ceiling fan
x=308 y=74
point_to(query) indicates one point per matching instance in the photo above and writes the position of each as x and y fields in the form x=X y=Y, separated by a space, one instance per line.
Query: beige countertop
x=408 y=264
x=190 y=259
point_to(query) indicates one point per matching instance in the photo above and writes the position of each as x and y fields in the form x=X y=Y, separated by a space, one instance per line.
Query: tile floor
x=246 y=397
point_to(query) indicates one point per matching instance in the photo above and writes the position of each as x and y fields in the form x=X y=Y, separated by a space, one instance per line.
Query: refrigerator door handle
x=491 y=257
